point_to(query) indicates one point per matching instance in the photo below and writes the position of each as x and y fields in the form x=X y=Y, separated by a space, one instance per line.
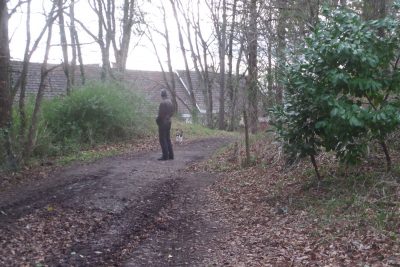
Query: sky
x=142 y=57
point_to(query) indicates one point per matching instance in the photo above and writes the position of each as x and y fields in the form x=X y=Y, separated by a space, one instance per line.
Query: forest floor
x=127 y=210
x=202 y=209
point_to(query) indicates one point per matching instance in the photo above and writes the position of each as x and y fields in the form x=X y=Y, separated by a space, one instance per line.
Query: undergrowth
x=92 y=115
x=358 y=196
x=97 y=113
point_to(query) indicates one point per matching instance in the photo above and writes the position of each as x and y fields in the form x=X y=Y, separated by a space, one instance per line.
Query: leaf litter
x=280 y=215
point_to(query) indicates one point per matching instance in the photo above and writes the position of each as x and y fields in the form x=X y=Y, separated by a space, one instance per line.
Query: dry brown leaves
x=45 y=233
x=263 y=205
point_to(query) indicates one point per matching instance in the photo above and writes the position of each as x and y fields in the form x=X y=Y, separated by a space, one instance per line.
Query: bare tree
x=25 y=72
x=270 y=79
x=194 y=109
x=218 y=12
x=131 y=16
x=200 y=57
x=76 y=47
x=29 y=144
x=169 y=62
x=230 y=83
x=204 y=66
x=281 y=47
x=221 y=35
x=252 y=77
x=64 y=44
x=170 y=78
x=104 y=34
x=110 y=35
x=21 y=82
x=72 y=31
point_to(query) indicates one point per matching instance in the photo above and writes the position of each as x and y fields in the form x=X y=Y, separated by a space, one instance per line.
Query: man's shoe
x=171 y=158
x=162 y=159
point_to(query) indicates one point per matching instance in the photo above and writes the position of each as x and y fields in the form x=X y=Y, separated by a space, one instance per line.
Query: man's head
x=164 y=93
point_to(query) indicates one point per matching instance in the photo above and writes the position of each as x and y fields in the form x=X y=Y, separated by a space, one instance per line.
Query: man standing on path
x=165 y=112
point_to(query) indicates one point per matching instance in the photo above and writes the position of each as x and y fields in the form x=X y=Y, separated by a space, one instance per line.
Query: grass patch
x=191 y=130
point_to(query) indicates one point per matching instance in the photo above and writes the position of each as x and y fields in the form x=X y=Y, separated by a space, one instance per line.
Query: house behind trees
x=147 y=83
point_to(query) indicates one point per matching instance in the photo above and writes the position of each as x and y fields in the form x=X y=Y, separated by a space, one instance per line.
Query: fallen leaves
x=278 y=215
x=36 y=237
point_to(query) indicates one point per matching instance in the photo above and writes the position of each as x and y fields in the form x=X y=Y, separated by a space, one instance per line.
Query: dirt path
x=129 y=210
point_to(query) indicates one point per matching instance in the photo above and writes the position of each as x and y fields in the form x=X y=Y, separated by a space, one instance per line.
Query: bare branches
x=13 y=10
x=43 y=76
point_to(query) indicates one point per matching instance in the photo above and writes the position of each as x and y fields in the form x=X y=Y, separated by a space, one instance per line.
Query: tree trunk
x=208 y=94
x=374 y=9
x=230 y=85
x=221 y=51
x=313 y=6
x=21 y=83
x=103 y=39
x=43 y=76
x=121 y=53
x=64 y=44
x=237 y=83
x=252 y=77
x=246 y=137
x=5 y=88
x=80 y=58
x=73 y=42
x=314 y=163
x=207 y=83
x=24 y=73
x=106 y=65
x=195 y=57
x=270 y=75
x=76 y=46
x=281 y=50
x=387 y=156
x=169 y=62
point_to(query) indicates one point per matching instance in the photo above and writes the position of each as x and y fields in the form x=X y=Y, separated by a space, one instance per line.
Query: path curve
x=129 y=210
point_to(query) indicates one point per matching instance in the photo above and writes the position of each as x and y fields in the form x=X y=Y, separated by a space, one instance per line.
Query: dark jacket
x=165 y=111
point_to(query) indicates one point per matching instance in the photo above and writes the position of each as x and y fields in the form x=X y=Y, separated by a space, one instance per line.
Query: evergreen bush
x=342 y=91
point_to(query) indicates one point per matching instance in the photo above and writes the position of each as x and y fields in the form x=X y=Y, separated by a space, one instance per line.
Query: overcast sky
x=142 y=57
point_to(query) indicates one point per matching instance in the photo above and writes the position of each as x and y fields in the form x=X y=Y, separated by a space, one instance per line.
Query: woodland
x=324 y=74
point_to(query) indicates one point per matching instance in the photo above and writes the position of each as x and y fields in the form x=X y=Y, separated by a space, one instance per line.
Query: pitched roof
x=148 y=83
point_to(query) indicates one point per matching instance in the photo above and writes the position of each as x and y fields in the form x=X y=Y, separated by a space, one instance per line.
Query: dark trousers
x=164 y=135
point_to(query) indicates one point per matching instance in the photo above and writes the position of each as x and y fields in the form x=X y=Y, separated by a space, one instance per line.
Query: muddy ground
x=129 y=210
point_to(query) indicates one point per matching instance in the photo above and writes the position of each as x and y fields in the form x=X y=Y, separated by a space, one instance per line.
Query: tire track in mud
x=94 y=214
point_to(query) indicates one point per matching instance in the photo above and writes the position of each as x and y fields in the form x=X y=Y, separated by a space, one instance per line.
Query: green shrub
x=96 y=113
x=343 y=89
